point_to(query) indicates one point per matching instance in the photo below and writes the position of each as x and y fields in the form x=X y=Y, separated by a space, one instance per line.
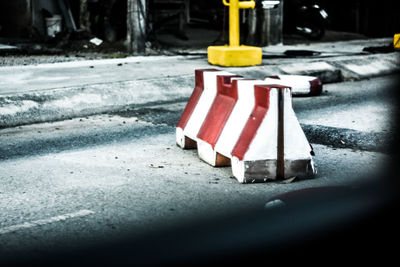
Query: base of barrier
x=264 y=170
x=209 y=155
x=234 y=56
x=183 y=141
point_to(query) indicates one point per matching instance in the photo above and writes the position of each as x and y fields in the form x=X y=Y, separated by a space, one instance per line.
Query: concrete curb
x=350 y=68
x=326 y=72
x=65 y=103
x=27 y=107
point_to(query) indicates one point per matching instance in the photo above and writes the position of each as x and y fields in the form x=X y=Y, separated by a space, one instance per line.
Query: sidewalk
x=49 y=92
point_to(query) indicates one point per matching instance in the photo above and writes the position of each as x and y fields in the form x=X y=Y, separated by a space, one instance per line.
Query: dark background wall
x=369 y=17
x=372 y=18
x=15 y=18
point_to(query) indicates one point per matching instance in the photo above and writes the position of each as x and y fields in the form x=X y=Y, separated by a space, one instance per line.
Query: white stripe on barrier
x=295 y=142
x=264 y=144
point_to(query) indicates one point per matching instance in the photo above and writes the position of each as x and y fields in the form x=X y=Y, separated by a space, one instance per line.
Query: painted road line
x=42 y=222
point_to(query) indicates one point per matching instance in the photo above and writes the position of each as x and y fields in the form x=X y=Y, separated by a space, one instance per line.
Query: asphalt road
x=87 y=181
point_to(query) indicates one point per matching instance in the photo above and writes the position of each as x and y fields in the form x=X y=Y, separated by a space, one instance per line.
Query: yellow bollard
x=396 y=41
x=235 y=55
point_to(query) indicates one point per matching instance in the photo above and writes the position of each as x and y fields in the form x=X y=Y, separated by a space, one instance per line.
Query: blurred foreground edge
x=336 y=223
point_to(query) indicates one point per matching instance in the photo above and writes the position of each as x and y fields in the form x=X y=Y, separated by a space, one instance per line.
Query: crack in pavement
x=348 y=138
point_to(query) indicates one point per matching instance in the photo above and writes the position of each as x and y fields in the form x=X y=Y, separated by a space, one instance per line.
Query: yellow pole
x=234 y=54
x=234 y=27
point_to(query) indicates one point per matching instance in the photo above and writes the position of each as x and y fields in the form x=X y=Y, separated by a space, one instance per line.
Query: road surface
x=89 y=180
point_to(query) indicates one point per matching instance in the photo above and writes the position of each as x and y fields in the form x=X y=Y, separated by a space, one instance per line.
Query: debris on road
x=96 y=41
x=156 y=166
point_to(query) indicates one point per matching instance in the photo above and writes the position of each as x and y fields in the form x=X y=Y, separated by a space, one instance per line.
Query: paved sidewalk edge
x=91 y=99
x=65 y=103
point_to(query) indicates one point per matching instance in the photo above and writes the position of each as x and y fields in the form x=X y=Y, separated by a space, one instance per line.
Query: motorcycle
x=304 y=17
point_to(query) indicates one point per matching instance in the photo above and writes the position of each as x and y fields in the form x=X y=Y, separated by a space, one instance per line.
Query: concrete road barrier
x=247 y=123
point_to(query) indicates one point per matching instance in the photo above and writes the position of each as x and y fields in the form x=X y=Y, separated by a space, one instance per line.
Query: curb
x=85 y=100
x=67 y=103
x=353 y=68
x=326 y=72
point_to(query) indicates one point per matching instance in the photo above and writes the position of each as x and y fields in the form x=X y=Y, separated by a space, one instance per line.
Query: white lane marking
x=59 y=218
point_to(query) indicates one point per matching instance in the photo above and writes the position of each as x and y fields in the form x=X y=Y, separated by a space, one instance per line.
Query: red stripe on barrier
x=261 y=93
x=262 y=100
x=315 y=87
x=221 y=108
x=194 y=98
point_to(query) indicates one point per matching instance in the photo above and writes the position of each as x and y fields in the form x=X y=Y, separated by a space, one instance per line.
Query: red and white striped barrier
x=300 y=84
x=249 y=124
